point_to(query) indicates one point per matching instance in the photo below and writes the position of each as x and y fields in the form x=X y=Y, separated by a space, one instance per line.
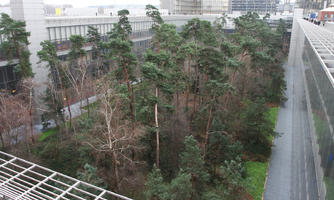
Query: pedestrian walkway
x=291 y=174
x=75 y=111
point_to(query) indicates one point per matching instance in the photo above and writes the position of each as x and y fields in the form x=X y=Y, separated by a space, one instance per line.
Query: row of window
x=139 y=29
x=64 y=32
x=8 y=77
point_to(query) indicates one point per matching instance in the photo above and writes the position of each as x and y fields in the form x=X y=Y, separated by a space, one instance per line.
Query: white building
x=59 y=29
x=195 y=6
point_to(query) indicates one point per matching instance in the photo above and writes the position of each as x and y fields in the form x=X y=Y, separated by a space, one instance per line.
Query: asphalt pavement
x=291 y=174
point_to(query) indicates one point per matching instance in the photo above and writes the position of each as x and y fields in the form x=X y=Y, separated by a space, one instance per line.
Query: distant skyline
x=86 y=3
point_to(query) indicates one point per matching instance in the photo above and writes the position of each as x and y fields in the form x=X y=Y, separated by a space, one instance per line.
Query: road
x=291 y=174
x=18 y=134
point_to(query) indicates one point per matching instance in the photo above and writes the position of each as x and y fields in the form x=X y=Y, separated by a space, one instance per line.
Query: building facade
x=190 y=7
x=59 y=29
x=311 y=52
x=260 y=6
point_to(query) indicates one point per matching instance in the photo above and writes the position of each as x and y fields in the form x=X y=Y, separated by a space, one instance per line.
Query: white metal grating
x=21 y=179
x=322 y=41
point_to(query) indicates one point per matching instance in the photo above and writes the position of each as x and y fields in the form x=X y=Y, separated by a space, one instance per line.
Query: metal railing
x=24 y=180
x=318 y=62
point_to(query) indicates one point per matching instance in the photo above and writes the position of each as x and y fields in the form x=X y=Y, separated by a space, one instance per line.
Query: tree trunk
x=18 y=52
x=129 y=96
x=188 y=85
x=207 y=92
x=31 y=117
x=195 y=89
x=192 y=186
x=88 y=109
x=2 y=140
x=177 y=101
x=156 y=118
x=31 y=126
x=69 y=109
x=80 y=96
x=208 y=126
x=114 y=156
x=157 y=127
x=62 y=90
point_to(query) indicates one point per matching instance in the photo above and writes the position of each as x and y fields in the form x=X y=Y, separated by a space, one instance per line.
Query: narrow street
x=291 y=172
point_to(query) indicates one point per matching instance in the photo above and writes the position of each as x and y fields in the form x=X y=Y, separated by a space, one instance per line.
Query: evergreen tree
x=256 y=128
x=191 y=162
x=15 y=45
x=53 y=98
x=95 y=38
x=76 y=72
x=232 y=173
x=158 y=64
x=89 y=175
x=180 y=187
x=156 y=189
x=186 y=53
x=120 y=51
x=220 y=148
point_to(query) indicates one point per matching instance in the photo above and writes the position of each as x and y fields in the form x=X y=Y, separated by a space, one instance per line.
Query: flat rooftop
x=322 y=41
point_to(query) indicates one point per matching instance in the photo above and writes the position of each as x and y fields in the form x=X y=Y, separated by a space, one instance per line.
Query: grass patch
x=92 y=106
x=329 y=182
x=52 y=131
x=321 y=126
x=273 y=112
x=257 y=172
x=47 y=133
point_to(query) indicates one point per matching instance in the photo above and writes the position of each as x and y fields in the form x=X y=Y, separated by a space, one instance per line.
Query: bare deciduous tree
x=113 y=135
x=15 y=119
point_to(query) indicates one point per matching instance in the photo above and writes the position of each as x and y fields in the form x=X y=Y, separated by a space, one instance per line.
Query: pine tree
x=156 y=189
x=120 y=51
x=15 y=45
x=89 y=175
x=54 y=100
x=156 y=59
x=186 y=53
x=191 y=162
x=180 y=187
x=76 y=72
x=95 y=38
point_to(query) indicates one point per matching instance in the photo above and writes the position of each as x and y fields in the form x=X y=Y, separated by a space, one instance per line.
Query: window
x=8 y=77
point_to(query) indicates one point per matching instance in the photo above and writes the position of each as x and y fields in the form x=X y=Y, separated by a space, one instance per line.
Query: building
x=189 y=7
x=311 y=5
x=312 y=53
x=326 y=14
x=215 y=6
x=260 y=6
x=186 y=7
x=59 y=29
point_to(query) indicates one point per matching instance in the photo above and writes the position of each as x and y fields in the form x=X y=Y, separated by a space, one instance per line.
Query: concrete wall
x=32 y=12
x=5 y=10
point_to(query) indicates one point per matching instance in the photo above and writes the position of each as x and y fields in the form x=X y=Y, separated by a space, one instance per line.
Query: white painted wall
x=32 y=12
x=5 y=10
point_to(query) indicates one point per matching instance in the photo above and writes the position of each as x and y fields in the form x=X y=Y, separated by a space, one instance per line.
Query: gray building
x=260 y=6
x=190 y=7
x=59 y=29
